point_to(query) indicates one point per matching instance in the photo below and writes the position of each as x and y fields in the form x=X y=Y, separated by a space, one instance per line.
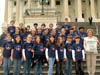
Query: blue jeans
x=51 y=63
x=27 y=67
x=68 y=69
x=6 y=66
x=38 y=68
x=17 y=65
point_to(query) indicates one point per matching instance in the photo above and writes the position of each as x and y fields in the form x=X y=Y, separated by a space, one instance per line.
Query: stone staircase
x=45 y=69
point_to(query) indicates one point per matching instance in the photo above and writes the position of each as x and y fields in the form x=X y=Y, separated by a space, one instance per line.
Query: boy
x=78 y=55
x=11 y=28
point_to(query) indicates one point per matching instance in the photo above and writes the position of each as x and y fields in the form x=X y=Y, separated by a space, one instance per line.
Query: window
x=25 y=2
x=69 y=2
x=57 y=2
x=14 y=3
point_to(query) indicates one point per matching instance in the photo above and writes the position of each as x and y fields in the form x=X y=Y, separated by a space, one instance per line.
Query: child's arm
x=83 y=54
x=46 y=54
x=23 y=53
x=2 y=49
x=65 y=57
x=11 y=57
x=57 y=59
x=73 y=55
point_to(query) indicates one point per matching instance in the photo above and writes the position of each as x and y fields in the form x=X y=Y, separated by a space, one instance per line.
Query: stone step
x=45 y=72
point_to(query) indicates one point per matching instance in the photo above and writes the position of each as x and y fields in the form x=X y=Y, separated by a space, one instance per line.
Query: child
x=50 y=28
x=28 y=29
x=11 y=28
x=16 y=55
x=38 y=56
x=39 y=31
x=50 y=54
x=71 y=33
x=68 y=56
x=59 y=56
x=63 y=34
x=58 y=29
x=82 y=34
x=24 y=35
x=45 y=36
x=21 y=28
x=66 y=26
x=27 y=54
x=17 y=32
x=33 y=33
x=43 y=26
x=78 y=55
x=6 y=53
x=0 y=57
x=35 y=25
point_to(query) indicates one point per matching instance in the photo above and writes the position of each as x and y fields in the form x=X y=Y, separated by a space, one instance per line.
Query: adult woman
x=90 y=45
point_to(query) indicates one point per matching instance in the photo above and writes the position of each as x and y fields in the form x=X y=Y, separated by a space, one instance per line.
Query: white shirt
x=90 y=44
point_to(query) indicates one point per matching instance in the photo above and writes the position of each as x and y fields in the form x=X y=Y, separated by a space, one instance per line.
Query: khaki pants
x=91 y=63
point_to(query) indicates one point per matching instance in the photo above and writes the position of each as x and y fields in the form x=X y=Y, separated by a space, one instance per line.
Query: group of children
x=39 y=45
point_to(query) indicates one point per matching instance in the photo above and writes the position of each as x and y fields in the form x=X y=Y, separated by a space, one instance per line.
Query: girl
x=24 y=35
x=6 y=53
x=0 y=57
x=68 y=56
x=90 y=45
x=78 y=56
x=50 y=53
x=27 y=54
x=59 y=56
x=17 y=55
x=38 y=55
x=33 y=33
x=17 y=32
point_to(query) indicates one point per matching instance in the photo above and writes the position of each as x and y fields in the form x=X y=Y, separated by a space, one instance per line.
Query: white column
x=21 y=11
x=87 y=9
x=17 y=12
x=98 y=1
x=79 y=10
x=5 y=24
x=66 y=9
x=29 y=4
x=6 y=12
x=10 y=10
x=53 y=3
x=92 y=6
x=38 y=4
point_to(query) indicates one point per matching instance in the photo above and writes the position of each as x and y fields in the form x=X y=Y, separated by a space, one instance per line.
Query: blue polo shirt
x=51 y=50
x=28 y=46
x=60 y=50
x=78 y=51
x=39 y=49
x=8 y=46
x=17 y=53
x=69 y=47
x=11 y=30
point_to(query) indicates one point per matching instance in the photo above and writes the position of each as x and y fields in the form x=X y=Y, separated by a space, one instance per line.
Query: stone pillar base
x=80 y=20
x=4 y=26
x=95 y=20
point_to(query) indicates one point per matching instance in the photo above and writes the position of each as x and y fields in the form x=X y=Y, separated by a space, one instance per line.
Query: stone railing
x=40 y=11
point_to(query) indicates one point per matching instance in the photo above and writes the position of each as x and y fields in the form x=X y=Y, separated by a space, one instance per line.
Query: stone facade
x=50 y=11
